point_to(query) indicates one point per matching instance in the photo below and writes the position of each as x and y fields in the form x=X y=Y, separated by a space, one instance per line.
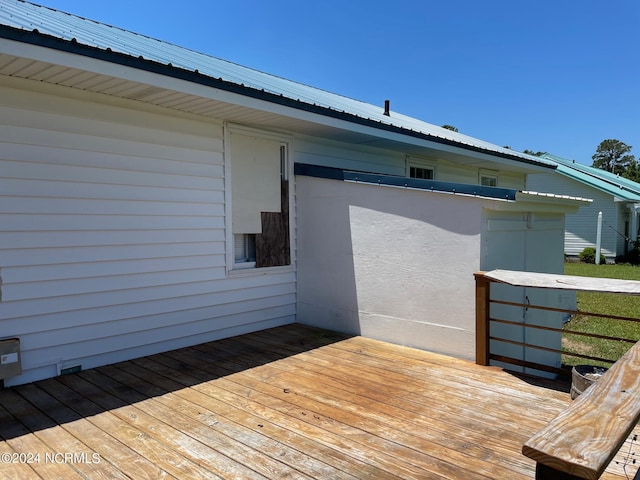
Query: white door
x=526 y=242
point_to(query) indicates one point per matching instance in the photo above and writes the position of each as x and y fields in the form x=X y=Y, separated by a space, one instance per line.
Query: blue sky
x=550 y=75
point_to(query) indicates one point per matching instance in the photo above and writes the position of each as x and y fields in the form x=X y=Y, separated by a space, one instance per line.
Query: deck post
x=483 y=287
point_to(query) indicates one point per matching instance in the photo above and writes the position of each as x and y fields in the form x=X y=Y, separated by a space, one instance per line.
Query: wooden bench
x=582 y=440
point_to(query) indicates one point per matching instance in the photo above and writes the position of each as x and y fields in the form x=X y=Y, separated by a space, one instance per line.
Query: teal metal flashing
x=332 y=173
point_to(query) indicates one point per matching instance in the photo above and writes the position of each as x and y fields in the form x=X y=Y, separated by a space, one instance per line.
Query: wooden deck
x=290 y=402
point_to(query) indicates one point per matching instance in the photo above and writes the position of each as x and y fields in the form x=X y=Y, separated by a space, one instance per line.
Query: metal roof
x=31 y=23
x=622 y=188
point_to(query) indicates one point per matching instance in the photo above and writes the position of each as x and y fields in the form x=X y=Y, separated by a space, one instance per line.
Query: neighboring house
x=153 y=198
x=617 y=198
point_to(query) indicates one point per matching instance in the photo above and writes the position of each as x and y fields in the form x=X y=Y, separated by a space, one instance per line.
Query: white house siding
x=327 y=153
x=388 y=263
x=112 y=234
x=581 y=227
x=450 y=172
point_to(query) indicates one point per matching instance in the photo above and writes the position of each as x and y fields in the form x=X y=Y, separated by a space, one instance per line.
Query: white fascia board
x=541 y=202
x=551 y=201
x=552 y=197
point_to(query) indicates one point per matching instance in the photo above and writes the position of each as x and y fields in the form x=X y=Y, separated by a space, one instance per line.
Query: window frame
x=286 y=141
x=413 y=162
x=490 y=174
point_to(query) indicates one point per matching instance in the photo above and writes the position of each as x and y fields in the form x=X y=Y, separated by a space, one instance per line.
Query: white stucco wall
x=388 y=263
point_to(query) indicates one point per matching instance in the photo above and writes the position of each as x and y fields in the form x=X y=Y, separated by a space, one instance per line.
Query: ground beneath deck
x=290 y=402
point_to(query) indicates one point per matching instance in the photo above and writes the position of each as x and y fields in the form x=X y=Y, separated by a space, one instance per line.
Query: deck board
x=291 y=402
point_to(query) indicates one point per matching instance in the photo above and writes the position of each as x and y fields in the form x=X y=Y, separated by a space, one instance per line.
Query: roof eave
x=36 y=38
x=584 y=173
x=618 y=192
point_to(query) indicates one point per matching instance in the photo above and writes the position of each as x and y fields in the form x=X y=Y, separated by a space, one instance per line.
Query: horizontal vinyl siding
x=112 y=236
x=313 y=151
x=450 y=172
x=581 y=227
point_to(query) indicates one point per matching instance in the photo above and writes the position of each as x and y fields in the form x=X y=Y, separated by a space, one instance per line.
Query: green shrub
x=633 y=257
x=588 y=255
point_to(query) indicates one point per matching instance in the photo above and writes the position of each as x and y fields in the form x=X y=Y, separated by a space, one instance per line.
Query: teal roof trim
x=602 y=180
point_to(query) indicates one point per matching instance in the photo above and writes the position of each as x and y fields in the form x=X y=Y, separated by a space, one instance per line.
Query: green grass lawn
x=606 y=303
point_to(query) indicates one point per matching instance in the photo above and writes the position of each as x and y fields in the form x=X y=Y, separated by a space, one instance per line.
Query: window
x=244 y=248
x=420 y=168
x=488 y=181
x=488 y=178
x=425 y=173
x=258 y=224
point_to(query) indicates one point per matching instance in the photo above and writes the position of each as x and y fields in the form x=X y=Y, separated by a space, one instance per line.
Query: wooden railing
x=486 y=323
x=582 y=440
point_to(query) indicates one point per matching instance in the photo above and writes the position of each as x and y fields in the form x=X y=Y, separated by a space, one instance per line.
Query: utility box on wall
x=10 y=364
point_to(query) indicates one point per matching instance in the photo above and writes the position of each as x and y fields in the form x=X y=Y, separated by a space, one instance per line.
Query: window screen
x=489 y=181
x=421 y=172
x=244 y=248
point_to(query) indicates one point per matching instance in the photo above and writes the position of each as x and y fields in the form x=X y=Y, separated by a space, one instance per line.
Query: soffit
x=222 y=105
